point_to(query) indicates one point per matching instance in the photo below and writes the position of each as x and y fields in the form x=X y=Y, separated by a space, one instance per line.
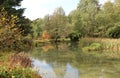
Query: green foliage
x=10 y=3
x=16 y=73
x=93 y=47
x=56 y=25
x=74 y=36
x=75 y=21
x=25 y=27
x=87 y=11
x=114 y=32
x=94 y=20
x=10 y=7
x=9 y=34
x=105 y=18
x=37 y=27
x=13 y=26
x=17 y=65
x=90 y=19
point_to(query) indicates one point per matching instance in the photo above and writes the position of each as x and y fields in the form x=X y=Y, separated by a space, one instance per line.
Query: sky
x=39 y=8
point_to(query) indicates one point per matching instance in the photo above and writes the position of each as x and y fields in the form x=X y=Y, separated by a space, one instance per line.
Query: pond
x=67 y=60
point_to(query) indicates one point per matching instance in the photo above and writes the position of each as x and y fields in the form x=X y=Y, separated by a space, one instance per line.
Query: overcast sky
x=39 y=8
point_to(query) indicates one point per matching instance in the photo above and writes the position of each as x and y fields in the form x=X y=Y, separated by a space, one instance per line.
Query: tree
x=117 y=2
x=76 y=22
x=116 y=8
x=10 y=7
x=10 y=36
x=104 y=19
x=57 y=21
x=13 y=26
x=46 y=21
x=37 y=27
x=88 y=10
x=1 y=2
x=114 y=32
x=76 y=25
x=94 y=20
x=56 y=25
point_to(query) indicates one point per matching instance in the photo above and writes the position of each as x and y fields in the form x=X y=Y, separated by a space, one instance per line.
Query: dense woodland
x=89 y=19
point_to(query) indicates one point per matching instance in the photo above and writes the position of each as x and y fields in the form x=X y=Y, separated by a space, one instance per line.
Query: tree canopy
x=89 y=19
x=13 y=25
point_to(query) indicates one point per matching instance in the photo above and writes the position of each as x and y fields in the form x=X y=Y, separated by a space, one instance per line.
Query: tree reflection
x=86 y=64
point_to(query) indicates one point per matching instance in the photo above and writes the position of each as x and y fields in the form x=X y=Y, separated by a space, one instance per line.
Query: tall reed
x=107 y=44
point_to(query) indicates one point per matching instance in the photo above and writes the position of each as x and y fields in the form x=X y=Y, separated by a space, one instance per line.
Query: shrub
x=114 y=32
x=18 y=72
x=11 y=35
x=17 y=66
x=74 y=36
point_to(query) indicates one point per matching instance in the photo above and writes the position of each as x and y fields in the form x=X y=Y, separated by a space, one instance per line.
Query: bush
x=74 y=36
x=11 y=37
x=17 y=66
x=6 y=72
x=114 y=32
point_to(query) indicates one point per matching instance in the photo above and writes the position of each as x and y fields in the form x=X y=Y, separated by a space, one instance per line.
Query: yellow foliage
x=9 y=33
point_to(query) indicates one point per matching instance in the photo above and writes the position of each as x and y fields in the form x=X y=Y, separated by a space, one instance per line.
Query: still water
x=67 y=60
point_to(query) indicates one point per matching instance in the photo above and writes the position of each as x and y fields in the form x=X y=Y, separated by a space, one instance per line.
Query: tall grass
x=107 y=44
x=109 y=48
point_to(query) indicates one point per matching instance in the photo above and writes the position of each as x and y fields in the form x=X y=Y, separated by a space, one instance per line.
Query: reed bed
x=110 y=48
x=107 y=44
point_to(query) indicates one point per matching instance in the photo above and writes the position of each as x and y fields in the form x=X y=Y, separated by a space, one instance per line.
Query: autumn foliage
x=17 y=65
x=45 y=35
x=10 y=35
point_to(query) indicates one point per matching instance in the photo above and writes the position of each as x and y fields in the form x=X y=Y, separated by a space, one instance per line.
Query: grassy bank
x=108 y=48
x=16 y=65
x=106 y=44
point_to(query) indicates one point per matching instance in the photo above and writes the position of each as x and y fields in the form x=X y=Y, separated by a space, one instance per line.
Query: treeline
x=14 y=27
x=89 y=19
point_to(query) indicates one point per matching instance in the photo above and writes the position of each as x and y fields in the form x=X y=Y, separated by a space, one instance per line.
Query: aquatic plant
x=93 y=47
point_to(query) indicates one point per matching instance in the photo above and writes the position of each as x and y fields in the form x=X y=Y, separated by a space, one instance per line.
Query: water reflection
x=47 y=47
x=68 y=61
x=47 y=71
x=71 y=72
